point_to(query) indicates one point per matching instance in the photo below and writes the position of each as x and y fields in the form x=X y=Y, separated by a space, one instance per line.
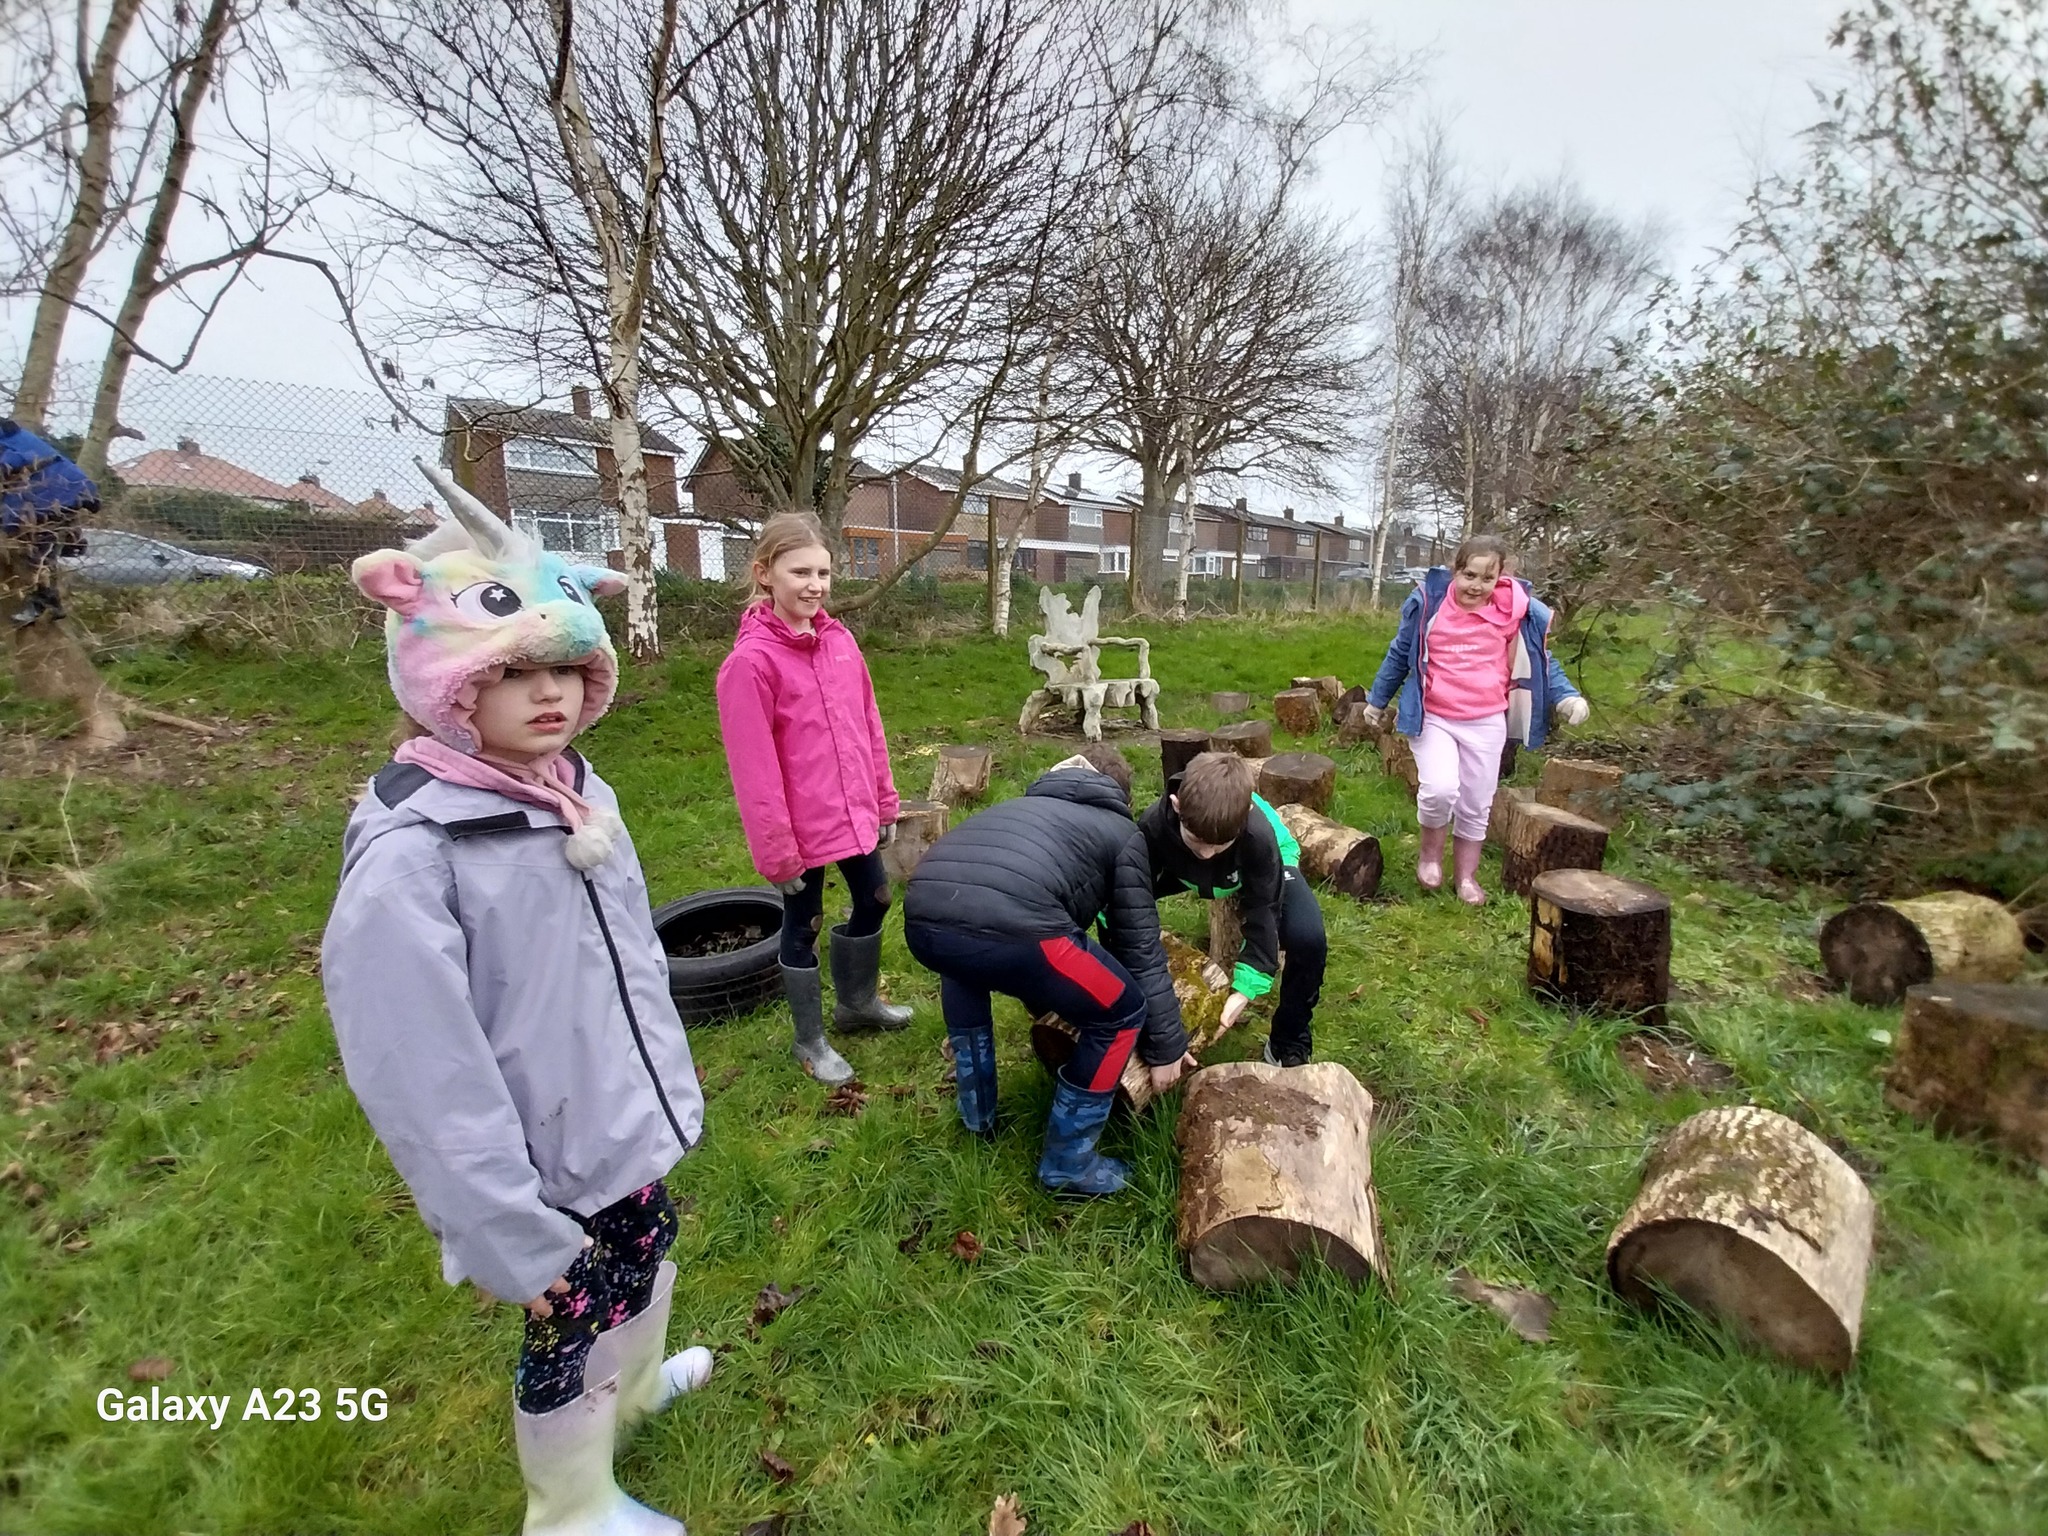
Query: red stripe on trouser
x=1112 y=1069
x=1082 y=969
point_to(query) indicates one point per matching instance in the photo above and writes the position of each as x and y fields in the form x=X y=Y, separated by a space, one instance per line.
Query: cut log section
x=1354 y=723
x=1507 y=761
x=1247 y=738
x=1201 y=987
x=1588 y=789
x=1179 y=748
x=1328 y=689
x=919 y=824
x=1298 y=778
x=1342 y=858
x=1397 y=759
x=1276 y=1166
x=1749 y=1218
x=1506 y=802
x=1226 y=933
x=1299 y=711
x=1877 y=949
x=1357 y=693
x=1600 y=942
x=1542 y=837
x=1973 y=1059
x=1230 y=703
x=961 y=776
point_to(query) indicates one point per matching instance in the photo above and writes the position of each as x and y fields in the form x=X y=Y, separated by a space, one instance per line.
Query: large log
x=1298 y=778
x=961 y=776
x=1542 y=837
x=1247 y=738
x=919 y=824
x=1750 y=1218
x=1230 y=703
x=1201 y=987
x=1276 y=1166
x=1588 y=789
x=1973 y=1058
x=1354 y=723
x=1328 y=689
x=1877 y=949
x=1179 y=748
x=1397 y=759
x=1299 y=711
x=1600 y=942
x=1334 y=855
x=1506 y=802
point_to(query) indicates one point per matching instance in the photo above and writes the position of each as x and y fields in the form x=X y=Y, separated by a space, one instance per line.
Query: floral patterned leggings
x=608 y=1283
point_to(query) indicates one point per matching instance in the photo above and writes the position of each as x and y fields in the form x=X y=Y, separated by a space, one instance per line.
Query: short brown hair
x=1484 y=544
x=1215 y=797
x=779 y=535
x=1106 y=759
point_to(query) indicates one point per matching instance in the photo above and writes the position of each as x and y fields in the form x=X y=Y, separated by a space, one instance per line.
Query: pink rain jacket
x=803 y=738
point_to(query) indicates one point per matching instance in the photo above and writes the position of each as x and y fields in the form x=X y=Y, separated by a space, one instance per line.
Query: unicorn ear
x=598 y=580
x=391 y=577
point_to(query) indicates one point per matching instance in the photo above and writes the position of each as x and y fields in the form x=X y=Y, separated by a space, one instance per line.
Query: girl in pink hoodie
x=810 y=768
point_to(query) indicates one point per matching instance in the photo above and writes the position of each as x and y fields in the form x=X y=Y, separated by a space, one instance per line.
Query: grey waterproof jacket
x=505 y=1021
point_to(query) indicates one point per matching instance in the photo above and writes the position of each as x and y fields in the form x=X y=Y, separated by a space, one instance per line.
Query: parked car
x=114 y=557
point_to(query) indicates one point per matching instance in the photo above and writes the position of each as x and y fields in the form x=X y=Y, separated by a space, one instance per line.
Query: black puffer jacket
x=1048 y=864
x=1250 y=869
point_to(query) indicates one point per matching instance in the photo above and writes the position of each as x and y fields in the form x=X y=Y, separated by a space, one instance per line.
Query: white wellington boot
x=647 y=1382
x=565 y=1456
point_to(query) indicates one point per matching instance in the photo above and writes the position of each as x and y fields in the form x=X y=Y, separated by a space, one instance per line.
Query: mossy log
x=1541 y=837
x=1877 y=949
x=1299 y=711
x=1973 y=1059
x=919 y=824
x=1298 y=778
x=1340 y=858
x=1247 y=738
x=1600 y=942
x=1748 y=1217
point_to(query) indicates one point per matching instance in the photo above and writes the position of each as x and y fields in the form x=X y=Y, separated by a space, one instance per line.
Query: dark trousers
x=1072 y=976
x=803 y=914
x=609 y=1282
x=1306 y=950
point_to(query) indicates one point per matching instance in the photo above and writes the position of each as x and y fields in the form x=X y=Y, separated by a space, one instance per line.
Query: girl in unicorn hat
x=501 y=1000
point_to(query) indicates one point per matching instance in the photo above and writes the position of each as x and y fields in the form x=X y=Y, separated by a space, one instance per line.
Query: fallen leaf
x=1527 y=1312
x=1983 y=1435
x=1478 y=1018
x=818 y=1146
x=1355 y=993
x=966 y=1247
x=919 y=1231
x=1006 y=1519
x=700 y=1074
x=150 y=1368
x=11 y=1174
x=946 y=1048
x=776 y=1467
x=902 y=1090
x=772 y=1302
x=774 y=1525
x=991 y=1349
x=847 y=1099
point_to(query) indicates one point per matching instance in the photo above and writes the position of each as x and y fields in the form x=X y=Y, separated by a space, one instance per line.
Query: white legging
x=1458 y=762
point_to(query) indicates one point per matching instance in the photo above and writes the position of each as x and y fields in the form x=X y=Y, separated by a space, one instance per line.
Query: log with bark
x=1506 y=802
x=1541 y=837
x=1342 y=858
x=1226 y=933
x=1354 y=723
x=1748 y=1217
x=1247 y=738
x=1600 y=942
x=919 y=824
x=1588 y=789
x=1179 y=748
x=1230 y=703
x=1328 y=689
x=1877 y=949
x=1973 y=1059
x=1299 y=711
x=1298 y=778
x=961 y=776
x=1397 y=759
x=1276 y=1167
x=1200 y=985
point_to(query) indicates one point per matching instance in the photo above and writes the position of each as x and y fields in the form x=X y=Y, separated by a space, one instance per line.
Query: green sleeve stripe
x=1253 y=984
x=1290 y=850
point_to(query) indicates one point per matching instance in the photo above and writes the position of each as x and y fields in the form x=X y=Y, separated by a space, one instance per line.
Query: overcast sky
x=1657 y=108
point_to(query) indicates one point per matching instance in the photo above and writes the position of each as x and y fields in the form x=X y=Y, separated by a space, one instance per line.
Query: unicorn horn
x=492 y=537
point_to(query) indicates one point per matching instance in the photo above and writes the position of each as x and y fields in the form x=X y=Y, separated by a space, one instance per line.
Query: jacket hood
x=1082 y=786
x=762 y=622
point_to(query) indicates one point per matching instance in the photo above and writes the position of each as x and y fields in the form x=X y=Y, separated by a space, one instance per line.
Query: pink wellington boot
x=1465 y=853
x=1429 y=858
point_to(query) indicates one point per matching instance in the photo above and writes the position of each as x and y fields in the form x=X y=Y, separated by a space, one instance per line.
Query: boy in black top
x=1211 y=835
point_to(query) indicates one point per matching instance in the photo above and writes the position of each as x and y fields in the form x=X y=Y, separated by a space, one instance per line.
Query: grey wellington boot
x=565 y=1455
x=807 y=1006
x=856 y=985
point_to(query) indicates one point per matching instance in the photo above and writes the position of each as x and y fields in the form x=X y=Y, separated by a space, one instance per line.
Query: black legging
x=609 y=1282
x=1307 y=950
x=804 y=913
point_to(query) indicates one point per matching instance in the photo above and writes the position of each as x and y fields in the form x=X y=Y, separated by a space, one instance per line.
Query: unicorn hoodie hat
x=468 y=600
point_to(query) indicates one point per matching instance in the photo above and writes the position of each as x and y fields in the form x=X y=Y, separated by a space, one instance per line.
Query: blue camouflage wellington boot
x=974 y=1079
x=1070 y=1164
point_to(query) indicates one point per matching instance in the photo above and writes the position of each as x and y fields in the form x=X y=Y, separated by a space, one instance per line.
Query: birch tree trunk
x=1187 y=551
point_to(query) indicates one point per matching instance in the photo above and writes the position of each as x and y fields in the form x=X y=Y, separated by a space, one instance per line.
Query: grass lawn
x=187 y=1179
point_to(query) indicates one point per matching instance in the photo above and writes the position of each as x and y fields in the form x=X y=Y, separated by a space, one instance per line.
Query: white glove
x=1573 y=710
x=790 y=887
x=886 y=836
x=1375 y=718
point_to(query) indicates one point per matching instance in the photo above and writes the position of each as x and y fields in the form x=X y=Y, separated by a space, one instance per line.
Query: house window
x=977 y=554
x=1255 y=535
x=1304 y=541
x=1114 y=562
x=865 y=555
x=1084 y=517
x=549 y=458
x=584 y=530
x=1173 y=525
x=1209 y=564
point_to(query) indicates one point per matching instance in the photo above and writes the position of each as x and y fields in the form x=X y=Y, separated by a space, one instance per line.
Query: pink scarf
x=546 y=783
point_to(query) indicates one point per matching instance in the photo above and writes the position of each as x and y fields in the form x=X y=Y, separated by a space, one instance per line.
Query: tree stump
x=961 y=776
x=1542 y=837
x=1179 y=748
x=1357 y=693
x=1506 y=803
x=1600 y=942
x=1334 y=855
x=1506 y=770
x=1298 y=778
x=1354 y=723
x=1327 y=689
x=1299 y=711
x=1588 y=789
x=1230 y=703
x=1973 y=1058
x=1276 y=1165
x=1747 y=1217
x=919 y=824
x=1247 y=738
x=1877 y=949
x=1397 y=759
x=1201 y=987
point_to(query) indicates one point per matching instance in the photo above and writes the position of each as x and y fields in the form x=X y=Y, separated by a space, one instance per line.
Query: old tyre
x=742 y=972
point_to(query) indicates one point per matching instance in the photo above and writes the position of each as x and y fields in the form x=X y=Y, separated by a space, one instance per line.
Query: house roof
x=558 y=426
x=185 y=468
x=990 y=485
x=385 y=509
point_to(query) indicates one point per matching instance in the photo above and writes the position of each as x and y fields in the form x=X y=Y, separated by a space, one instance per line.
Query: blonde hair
x=779 y=535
